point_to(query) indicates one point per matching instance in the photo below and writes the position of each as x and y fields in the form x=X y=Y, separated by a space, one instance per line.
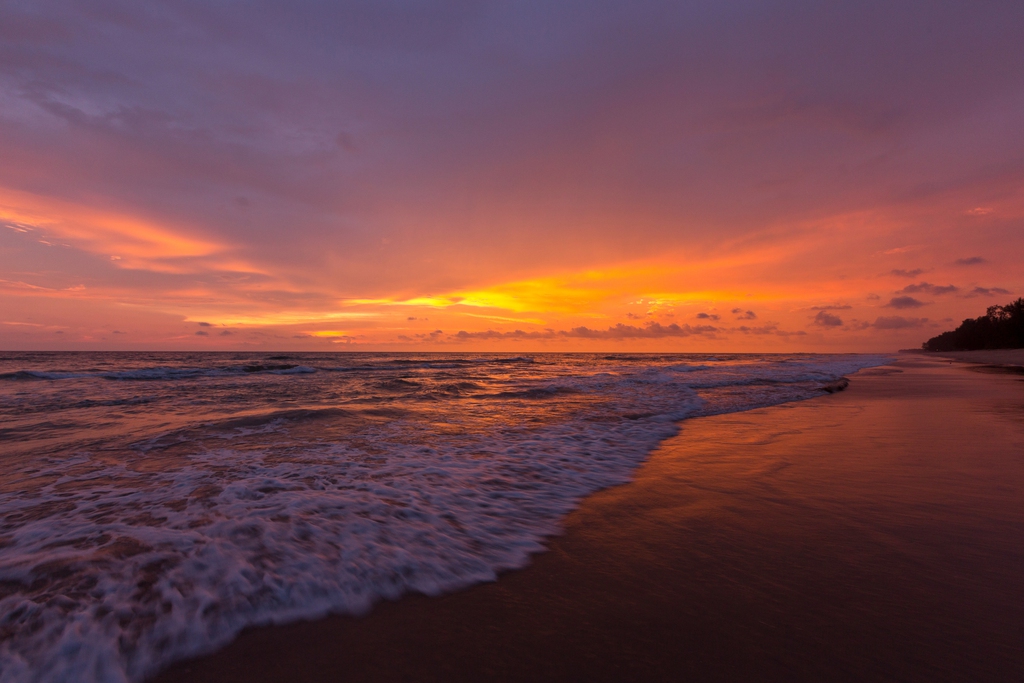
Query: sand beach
x=872 y=534
x=462 y=342
x=1005 y=357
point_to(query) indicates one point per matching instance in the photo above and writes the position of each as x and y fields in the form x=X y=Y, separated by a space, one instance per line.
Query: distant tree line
x=1001 y=328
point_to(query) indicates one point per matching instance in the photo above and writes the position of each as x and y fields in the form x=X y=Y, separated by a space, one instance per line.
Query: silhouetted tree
x=1002 y=327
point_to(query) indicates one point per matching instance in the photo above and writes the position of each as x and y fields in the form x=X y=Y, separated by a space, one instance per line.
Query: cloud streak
x=928 y=288
x=896 y=322
x=652 y=330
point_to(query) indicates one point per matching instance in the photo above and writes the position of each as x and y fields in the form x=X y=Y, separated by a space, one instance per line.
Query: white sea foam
x=113 y=566
x=161 y=373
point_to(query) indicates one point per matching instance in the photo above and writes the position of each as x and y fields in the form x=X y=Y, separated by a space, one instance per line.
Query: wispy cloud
x=652 y=330
x=493 y=335
x=898 y=272
x=988 y=291
x=929 y=288
x=897 y=322
x=769 y=328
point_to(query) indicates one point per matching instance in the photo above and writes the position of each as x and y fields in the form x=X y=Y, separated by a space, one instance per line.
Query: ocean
x=155 y=504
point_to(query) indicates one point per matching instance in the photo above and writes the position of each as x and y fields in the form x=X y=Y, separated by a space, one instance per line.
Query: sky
x=729 y=176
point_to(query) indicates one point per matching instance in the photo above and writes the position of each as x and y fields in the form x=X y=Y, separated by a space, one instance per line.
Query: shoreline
x=806 y=541
x=1002 y=357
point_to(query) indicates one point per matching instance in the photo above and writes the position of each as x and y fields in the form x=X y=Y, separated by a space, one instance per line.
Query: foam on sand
x=119 y=560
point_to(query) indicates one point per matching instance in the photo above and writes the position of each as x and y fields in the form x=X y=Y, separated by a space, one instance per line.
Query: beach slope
x=873 y=534
x=1006 y=357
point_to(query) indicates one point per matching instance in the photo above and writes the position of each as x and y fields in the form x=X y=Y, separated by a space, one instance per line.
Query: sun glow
x=280 y=318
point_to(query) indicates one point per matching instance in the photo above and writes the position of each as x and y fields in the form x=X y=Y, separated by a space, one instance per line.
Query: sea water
x=152 y=505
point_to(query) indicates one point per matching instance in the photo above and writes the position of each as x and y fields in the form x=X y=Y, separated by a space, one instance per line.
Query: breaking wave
x=142 y=522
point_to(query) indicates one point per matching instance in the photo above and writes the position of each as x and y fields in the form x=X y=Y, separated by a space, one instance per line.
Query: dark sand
x=872 y=535
x=1013 y=357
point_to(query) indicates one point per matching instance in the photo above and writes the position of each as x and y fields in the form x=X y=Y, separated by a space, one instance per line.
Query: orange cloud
x=128 y=241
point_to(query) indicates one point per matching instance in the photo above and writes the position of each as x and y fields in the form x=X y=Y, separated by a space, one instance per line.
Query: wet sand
x=1011 y=357
x=873 y=534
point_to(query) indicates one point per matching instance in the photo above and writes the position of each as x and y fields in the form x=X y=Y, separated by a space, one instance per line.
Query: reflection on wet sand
x=874 y=534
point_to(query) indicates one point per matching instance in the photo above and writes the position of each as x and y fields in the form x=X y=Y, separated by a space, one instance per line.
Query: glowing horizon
x=353 y=176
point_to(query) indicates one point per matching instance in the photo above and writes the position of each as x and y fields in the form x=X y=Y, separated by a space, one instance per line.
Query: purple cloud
x=905 y=302
x=826 y=319
x=929 y=288
x=652 y=330
x=649 y=331
x=988 y=291
x=490 y=335
x=770 y=328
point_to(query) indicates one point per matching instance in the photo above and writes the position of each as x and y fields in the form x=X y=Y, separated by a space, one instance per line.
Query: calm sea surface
x=154 y=504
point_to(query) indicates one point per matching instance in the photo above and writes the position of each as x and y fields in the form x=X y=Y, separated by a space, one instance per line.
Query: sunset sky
x=560 y=176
